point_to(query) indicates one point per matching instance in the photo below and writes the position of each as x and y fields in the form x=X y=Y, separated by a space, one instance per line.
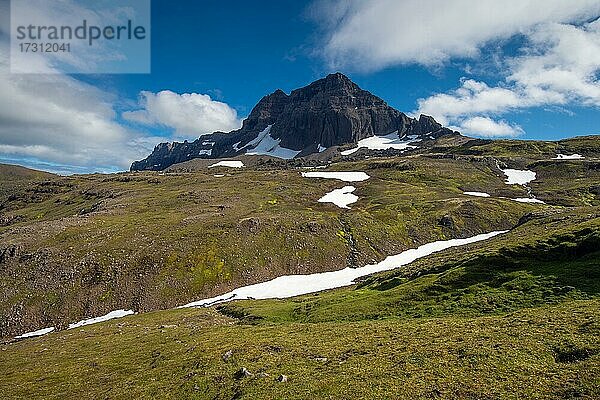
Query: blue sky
x=483 y=67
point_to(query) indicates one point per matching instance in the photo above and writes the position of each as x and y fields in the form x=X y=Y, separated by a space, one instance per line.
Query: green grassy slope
x=587 y=146
x=18 y=173
x=546 y=260
x=501 y=319
x=543 y=353
x=82 y=246
x=14 y=178
x=77 y=247
x=516 y=316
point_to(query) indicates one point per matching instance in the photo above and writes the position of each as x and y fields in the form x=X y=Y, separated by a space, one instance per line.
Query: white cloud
x=63 y=124
x=189 y=114
x=472 y=97
x=559 y=67
x=56 y=122
x=561 y=64
x=62 y=120
x=370 y=35
x=487 y=127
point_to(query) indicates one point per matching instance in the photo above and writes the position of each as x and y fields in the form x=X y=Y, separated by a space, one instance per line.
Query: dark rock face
x=332 y=111
x=446 y=221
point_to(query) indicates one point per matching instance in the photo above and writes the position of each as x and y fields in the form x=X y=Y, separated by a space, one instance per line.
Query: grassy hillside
x=18 y=173
x=512 y=317
x=546 y=260
x=497 y=320
x=76 y=247
x=81 y=246
x=587 y=146
x=14 y=178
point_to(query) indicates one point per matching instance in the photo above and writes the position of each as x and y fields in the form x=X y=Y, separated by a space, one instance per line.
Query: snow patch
x=477 y=194
x=568 y=157
x=229 y=164
x=295 y=285
x=518 y=177
x=265 y=144
x=528 y=200
x=205 y=152
x=40 y=332
x=391 y=141
x=321 y=149
x=342 y=176
x=109 y=316
x=254 y=142
x=340 y=197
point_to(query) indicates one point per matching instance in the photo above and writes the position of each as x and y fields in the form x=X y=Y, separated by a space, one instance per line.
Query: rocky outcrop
x=332 y=111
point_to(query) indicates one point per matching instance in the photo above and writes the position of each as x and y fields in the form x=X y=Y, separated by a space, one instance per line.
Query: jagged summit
x=332 y=111
x=336 y=83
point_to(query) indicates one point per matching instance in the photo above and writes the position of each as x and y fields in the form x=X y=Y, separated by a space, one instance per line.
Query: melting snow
x=477 y=194
x=567 y=157
x=230 y=164
x=340 y=197
x=35 y=333
x=254 y=142
x=321 y=148
x=265 y=144
x=295 y=285
x=109 y=316
x=391 y=141
x=342 y=176
x=528 y=200
x=205 y=152
x=518 y=177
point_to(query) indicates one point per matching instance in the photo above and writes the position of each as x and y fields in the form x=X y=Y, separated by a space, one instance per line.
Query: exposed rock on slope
x=332 y=111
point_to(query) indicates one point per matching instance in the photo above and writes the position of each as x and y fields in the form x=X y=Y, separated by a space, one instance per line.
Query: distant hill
x=16 y=172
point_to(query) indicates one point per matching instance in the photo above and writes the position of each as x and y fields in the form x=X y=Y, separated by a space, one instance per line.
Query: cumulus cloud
x=487 y=127
x=561 y=64
x=369 y=35
x=57 y=122
x=189 y=114
x=472 y=97
x=60 y=119
x=559 y=67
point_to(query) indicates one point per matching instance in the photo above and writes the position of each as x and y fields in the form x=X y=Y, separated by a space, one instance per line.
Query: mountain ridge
x=332 y=111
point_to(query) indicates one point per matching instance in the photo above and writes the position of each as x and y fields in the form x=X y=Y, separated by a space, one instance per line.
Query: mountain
x=332 y=111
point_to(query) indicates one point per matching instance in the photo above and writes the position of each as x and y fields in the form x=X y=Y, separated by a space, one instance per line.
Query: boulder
x=243 y=373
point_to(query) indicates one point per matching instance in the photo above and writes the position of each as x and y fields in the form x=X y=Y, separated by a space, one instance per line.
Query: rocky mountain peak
x=332 y=84
x=266 y=111
x=332 y=111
